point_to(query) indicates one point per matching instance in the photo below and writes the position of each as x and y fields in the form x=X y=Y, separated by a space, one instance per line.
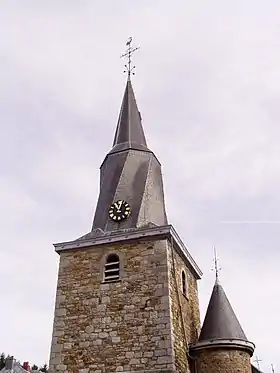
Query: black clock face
x=119 y=210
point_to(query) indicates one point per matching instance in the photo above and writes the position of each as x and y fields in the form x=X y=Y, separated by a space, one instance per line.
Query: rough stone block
x=61 y=367
x=60 y=312
x=164 y=360
x=84 y=370
x=116 y=339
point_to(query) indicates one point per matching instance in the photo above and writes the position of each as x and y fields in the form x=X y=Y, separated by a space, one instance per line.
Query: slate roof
x=17 y=368
x=129 y=132
x=130 y=172
x=220 y=321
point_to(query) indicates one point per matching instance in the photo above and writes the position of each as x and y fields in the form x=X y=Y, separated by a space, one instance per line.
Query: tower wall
x=108 y=327
x=223 y=361
x=184 y=310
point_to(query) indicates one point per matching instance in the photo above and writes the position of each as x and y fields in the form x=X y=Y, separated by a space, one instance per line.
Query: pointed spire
x=130 y=172
x=220 y=321
x=129 y=133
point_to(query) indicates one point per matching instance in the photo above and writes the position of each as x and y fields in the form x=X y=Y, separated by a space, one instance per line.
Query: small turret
x=222 y=346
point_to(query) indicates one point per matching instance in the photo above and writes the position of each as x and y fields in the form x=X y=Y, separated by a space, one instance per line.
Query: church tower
x=126 y=296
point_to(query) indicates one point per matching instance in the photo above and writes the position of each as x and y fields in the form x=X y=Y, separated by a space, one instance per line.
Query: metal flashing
x=224 y=343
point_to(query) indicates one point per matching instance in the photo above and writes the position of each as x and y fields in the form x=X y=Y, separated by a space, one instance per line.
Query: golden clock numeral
x=119 y=218
x=126 y=213
x=111 y=215
x=114 y=217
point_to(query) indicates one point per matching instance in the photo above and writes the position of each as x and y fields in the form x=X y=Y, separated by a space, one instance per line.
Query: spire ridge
x=130 y=173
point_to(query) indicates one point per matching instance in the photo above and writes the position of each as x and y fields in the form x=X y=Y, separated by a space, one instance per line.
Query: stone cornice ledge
x=162 y=232
x=224 y=343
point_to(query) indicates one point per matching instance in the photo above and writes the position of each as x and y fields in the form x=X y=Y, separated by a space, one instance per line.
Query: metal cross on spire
x=272 y=368
x=129 y=52
x=257 y=360
x=216 y=268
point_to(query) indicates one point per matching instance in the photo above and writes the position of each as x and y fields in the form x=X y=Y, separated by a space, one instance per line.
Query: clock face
x=119 y=210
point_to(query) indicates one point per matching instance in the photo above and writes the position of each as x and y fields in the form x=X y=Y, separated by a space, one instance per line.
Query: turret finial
x=129 y=52
x=216 y=268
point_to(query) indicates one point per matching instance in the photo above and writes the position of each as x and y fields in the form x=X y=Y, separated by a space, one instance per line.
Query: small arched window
x=112 y=268
x=184 y=283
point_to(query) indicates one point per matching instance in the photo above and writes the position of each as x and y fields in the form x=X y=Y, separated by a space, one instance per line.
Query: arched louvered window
x=112 y=268
x=184 y=283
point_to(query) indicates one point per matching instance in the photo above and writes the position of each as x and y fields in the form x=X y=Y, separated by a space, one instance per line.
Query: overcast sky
x=208 y=88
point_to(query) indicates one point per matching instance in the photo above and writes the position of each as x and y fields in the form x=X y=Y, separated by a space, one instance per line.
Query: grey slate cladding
x=129 y=133
x=220 y=321
x=130 y=172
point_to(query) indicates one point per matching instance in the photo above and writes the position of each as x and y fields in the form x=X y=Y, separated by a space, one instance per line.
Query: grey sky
x=207 y=86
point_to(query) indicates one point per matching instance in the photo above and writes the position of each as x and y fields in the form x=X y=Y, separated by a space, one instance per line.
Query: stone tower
x=127 y=291
x=222 y=346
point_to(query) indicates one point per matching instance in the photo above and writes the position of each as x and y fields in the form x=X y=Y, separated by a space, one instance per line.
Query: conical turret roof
x=221 y=328
x=220 y=321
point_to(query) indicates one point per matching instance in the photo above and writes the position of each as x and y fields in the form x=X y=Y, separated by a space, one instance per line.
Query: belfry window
x=184 y=283
x=112 y=268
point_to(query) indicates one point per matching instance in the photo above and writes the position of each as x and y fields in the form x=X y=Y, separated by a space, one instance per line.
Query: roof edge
x=157 y=232
x=224 y=343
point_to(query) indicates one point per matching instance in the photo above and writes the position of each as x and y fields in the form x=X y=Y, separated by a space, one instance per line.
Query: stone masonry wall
x=189 y=308
x=108 y=327
x=223 y=361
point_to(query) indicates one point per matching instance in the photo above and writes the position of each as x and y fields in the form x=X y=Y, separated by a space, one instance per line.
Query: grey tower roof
x=130 y=172
x=129 y=133
x=220 y=321
x=221 y=328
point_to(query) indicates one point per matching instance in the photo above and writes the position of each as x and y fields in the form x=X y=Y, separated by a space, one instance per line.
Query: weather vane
x=129 y=52
x=257 y=360
x=216 y=268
